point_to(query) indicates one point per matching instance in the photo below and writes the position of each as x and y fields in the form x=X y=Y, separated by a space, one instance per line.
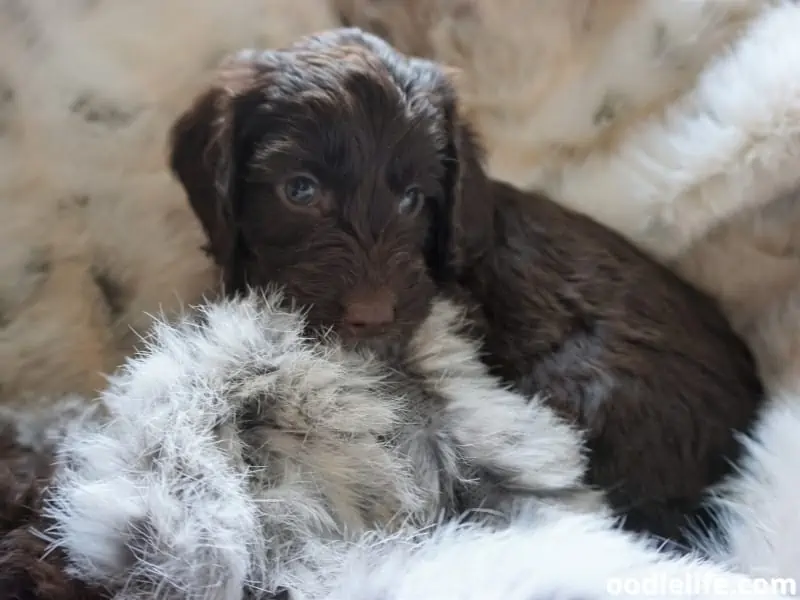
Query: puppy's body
x=340 y=169
x=645 y=363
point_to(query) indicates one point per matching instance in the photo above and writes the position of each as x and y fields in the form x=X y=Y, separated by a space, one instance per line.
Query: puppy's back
x=647 y=364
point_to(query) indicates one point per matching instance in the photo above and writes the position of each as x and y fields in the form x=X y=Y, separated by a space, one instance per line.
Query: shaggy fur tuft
x=236 y=447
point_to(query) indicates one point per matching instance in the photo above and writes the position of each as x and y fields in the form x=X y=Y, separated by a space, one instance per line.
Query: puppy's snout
x=369 y=311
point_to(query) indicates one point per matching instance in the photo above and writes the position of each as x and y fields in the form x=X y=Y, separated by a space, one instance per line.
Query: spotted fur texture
x=96 y=235
x=236 y=446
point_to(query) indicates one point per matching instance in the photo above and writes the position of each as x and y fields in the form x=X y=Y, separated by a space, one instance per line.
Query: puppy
x=339 y=169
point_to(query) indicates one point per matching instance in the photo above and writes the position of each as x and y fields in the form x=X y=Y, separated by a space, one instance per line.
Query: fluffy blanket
x=96 y=235
x=234 y=458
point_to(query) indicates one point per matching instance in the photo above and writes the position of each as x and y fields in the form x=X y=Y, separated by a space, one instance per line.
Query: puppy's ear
x=464 y=221
x=205 y=158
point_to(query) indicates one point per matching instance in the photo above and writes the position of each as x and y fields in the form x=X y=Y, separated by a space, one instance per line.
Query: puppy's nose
x=368 y=311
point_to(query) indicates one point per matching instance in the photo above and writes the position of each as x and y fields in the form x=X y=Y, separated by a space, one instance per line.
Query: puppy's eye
x=301 y=190
x=412 y=201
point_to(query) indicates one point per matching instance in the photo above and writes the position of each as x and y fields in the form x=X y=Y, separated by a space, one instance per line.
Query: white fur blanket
x=238 y=458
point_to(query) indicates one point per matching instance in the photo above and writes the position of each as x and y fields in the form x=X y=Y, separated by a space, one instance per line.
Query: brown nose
x=368 y=310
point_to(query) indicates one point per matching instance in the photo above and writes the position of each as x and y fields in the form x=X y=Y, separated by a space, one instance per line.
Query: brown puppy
x=339 y=169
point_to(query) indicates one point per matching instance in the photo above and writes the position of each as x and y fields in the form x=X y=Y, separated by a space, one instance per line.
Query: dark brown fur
x=29 y=570
x=646 y=364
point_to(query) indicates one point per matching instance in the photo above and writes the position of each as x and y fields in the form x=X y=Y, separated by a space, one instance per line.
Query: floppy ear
x=464 y=219
x=205 y=159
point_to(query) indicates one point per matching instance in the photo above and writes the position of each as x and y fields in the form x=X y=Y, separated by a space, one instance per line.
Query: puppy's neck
x=505 y=208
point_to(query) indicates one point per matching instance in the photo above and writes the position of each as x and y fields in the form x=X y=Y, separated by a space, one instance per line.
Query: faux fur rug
x=234 y=459
x=95 y=235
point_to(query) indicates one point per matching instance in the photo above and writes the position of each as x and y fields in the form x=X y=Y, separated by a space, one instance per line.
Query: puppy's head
x=338 y=169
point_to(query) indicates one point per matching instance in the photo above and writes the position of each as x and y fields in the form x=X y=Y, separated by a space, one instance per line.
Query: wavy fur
x=236 y=446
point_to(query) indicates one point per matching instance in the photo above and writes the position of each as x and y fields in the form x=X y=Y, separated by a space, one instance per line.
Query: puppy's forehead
x=337 y=83
x=344 y=108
